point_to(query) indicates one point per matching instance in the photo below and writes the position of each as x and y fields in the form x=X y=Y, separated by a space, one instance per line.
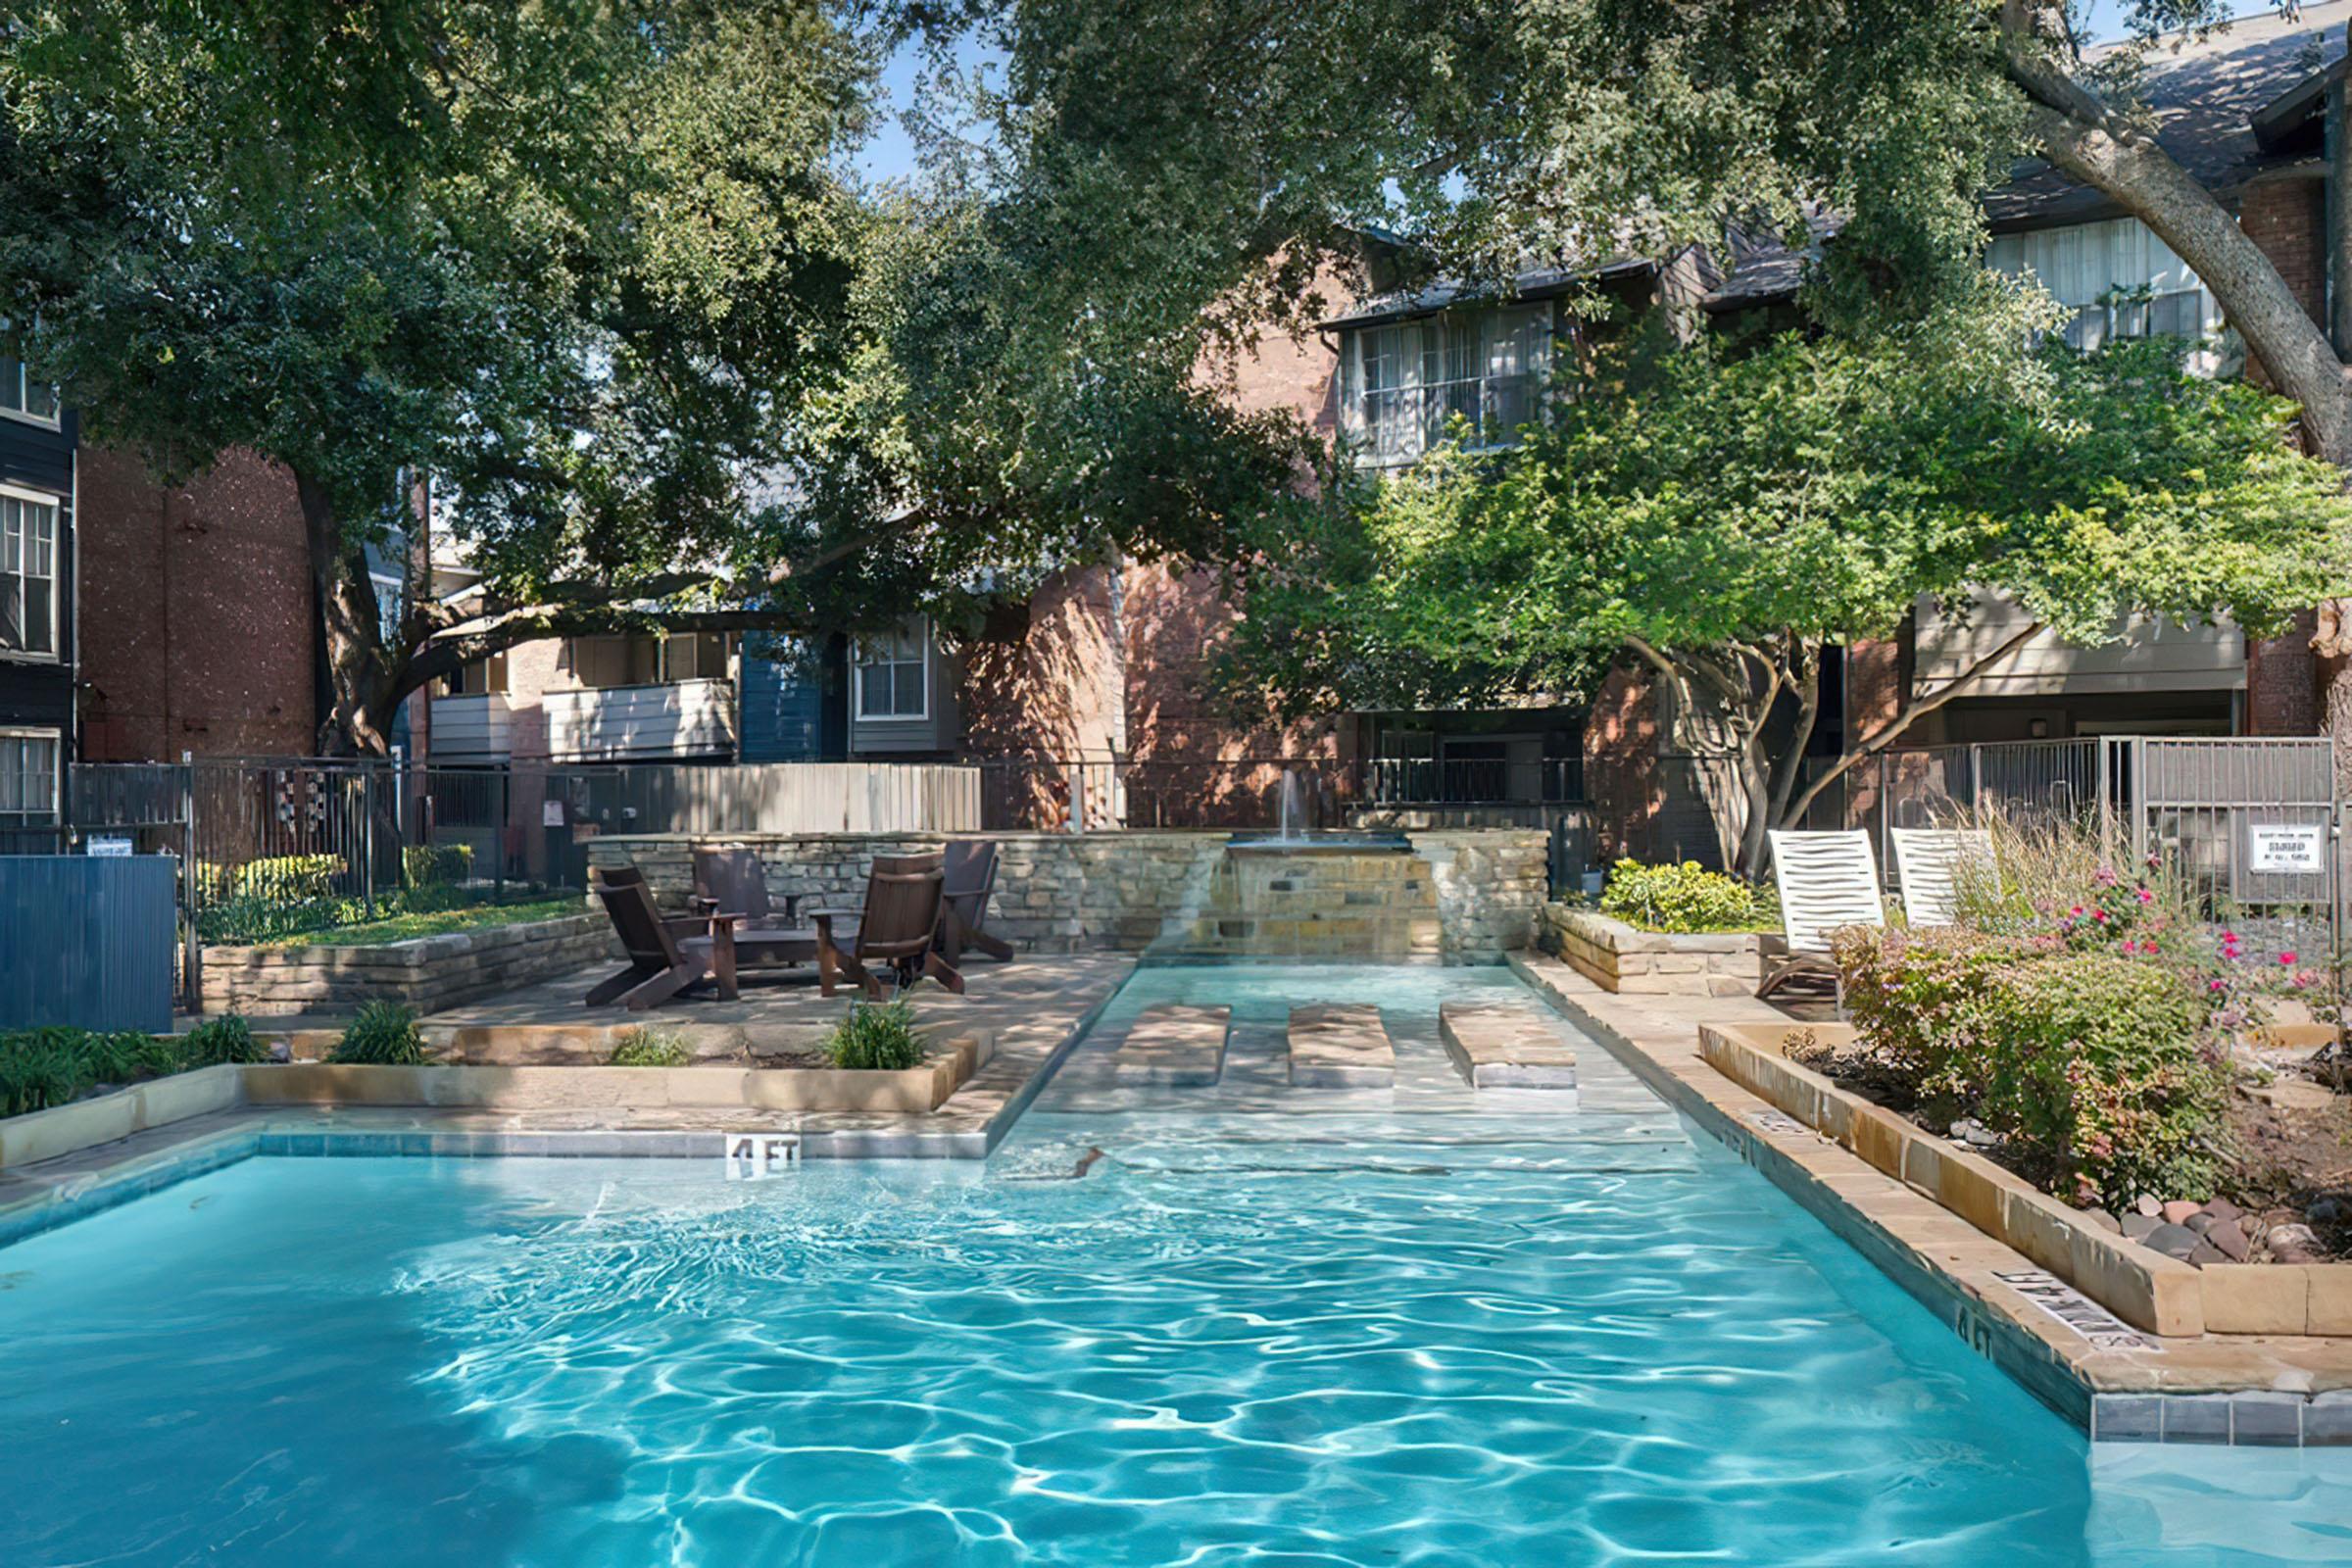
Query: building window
x=651 y=660
x=22 y=397
x=1407 y=384
x=894 y=674
x=28 y=575
x=483 y=677
x=29 y=759
x=2117 y=277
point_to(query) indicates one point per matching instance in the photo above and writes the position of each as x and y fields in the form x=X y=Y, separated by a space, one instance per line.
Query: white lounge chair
x=1925 y=861
x=1828 y=881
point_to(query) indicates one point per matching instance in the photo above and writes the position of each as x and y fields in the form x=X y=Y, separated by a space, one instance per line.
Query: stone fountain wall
x=1119 y=892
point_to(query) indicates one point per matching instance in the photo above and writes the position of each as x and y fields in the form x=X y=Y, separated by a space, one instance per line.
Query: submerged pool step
x=1505 y=1045
x=1174 y=1045
x=1340 y=1046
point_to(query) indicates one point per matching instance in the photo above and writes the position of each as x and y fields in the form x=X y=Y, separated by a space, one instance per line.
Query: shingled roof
x=2207 y=95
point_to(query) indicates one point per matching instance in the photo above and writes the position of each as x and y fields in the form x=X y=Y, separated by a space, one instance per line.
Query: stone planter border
x=1622 y=958
x=103 y=1118
x=920 y=1088
x=426 y=973
x=2139 y=1285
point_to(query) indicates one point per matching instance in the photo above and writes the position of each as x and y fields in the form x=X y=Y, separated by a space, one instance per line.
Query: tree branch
x=1958 y=686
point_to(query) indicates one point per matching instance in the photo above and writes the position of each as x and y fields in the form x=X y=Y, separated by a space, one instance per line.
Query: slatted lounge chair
x=894 y=930
x=1926 y=859
x=661 y=964
x=731 y=881
x=972 y=881
x=696 y=924
x=1828 y=881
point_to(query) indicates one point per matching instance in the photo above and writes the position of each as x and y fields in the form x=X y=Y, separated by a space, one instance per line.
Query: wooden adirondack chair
x=1827 y=881
x=972 y=881
x=661 y=964
x=731 y=881
x=896 y=929
x=681 y=925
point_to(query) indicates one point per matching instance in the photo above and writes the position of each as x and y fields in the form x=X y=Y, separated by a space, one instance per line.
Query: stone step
x=1505 y=1045
x=1340 y=1046
x=1175 y=1046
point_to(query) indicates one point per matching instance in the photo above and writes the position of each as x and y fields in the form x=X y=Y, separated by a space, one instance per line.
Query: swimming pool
x=1251 y=1332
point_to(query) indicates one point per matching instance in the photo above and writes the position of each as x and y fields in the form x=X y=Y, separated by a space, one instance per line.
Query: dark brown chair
x=972 y=881
x=661 y=963
x=696 y=924
x=731 y=881
x=896 y=929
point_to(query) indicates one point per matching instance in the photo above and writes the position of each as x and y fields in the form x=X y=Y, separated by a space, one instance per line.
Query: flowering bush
x=1684 y=898
x=2104 y=1071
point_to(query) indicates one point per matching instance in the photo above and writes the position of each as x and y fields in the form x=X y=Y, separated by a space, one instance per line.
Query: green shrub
x=877 y=1037
x=1684 y=897
x=224 y=1040
x=425 y=865
x=383 y=1035
x=288 y=878
x=41 y=1069
x=2104 y=1071
x=649 y=1048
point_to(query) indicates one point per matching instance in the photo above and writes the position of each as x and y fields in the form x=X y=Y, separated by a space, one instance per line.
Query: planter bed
x=2140 y=1285
x=426 y=973
x=103 y=1118
x=1625 y=959
x=588 y=1085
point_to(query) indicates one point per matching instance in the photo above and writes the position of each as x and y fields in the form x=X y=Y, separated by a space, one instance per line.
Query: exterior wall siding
x=38 y=693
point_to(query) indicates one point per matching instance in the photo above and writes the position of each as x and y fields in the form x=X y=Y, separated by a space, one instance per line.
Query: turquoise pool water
x=1251 y=1334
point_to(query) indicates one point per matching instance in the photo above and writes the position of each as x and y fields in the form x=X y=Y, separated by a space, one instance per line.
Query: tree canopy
x=1724 y=517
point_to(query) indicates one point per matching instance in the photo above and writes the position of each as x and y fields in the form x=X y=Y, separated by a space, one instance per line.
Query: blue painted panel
x=783 y=709
x=86 y=941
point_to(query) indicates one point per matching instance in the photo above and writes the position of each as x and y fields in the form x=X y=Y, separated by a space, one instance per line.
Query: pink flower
x=2145 y=897
x=2303 y=977
x=2076 y=911
x=2230 y=937
x=2217 y=985
x=2286 y=961
x=2098 y=914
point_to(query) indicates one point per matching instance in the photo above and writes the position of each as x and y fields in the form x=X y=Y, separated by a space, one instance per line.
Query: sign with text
x=2294 y=851
x=107 y=845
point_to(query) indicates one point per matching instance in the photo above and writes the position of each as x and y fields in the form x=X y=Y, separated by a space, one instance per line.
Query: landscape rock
x=2292 y=1244
x=2231 y=1240
x=2328 y=1210
x=2205 y=1253
x=2175 y=1240
x=2137 y=1226
x=2104 y=1221
x=2149 y=1205
x=2177 y=1211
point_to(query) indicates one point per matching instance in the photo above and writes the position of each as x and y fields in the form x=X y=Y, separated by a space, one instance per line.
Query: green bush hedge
x=1681 y=899
x=425 y=865
x=53 y=1066
x=2104 y=1071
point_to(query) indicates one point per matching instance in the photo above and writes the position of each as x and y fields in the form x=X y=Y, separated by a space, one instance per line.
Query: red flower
x=2286 y=961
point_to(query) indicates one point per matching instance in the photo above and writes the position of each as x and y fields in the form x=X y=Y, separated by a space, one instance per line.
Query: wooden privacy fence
x=776 y=797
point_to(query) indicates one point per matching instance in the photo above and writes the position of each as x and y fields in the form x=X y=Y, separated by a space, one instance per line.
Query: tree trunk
x=358 y=715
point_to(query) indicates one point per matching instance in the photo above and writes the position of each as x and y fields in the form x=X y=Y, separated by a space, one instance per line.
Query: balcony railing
x=679 y=719
x=474 y=728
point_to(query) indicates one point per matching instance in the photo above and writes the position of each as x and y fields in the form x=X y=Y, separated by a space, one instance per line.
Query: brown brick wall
x=1055 y=691
x=197 y=631
x=2287 y=219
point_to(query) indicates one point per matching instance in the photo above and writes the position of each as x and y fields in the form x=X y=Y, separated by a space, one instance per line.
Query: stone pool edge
x=2171 y=1391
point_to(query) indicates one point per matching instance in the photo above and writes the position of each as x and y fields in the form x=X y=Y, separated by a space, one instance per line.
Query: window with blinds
x=2121 y=280
x=1412 y=384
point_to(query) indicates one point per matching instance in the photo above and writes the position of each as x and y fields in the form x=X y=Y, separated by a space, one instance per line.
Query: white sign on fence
x=107 y=845
x=2295 y=850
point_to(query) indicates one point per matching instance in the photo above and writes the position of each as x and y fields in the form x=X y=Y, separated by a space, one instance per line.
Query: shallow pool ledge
x=2118 y=1382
